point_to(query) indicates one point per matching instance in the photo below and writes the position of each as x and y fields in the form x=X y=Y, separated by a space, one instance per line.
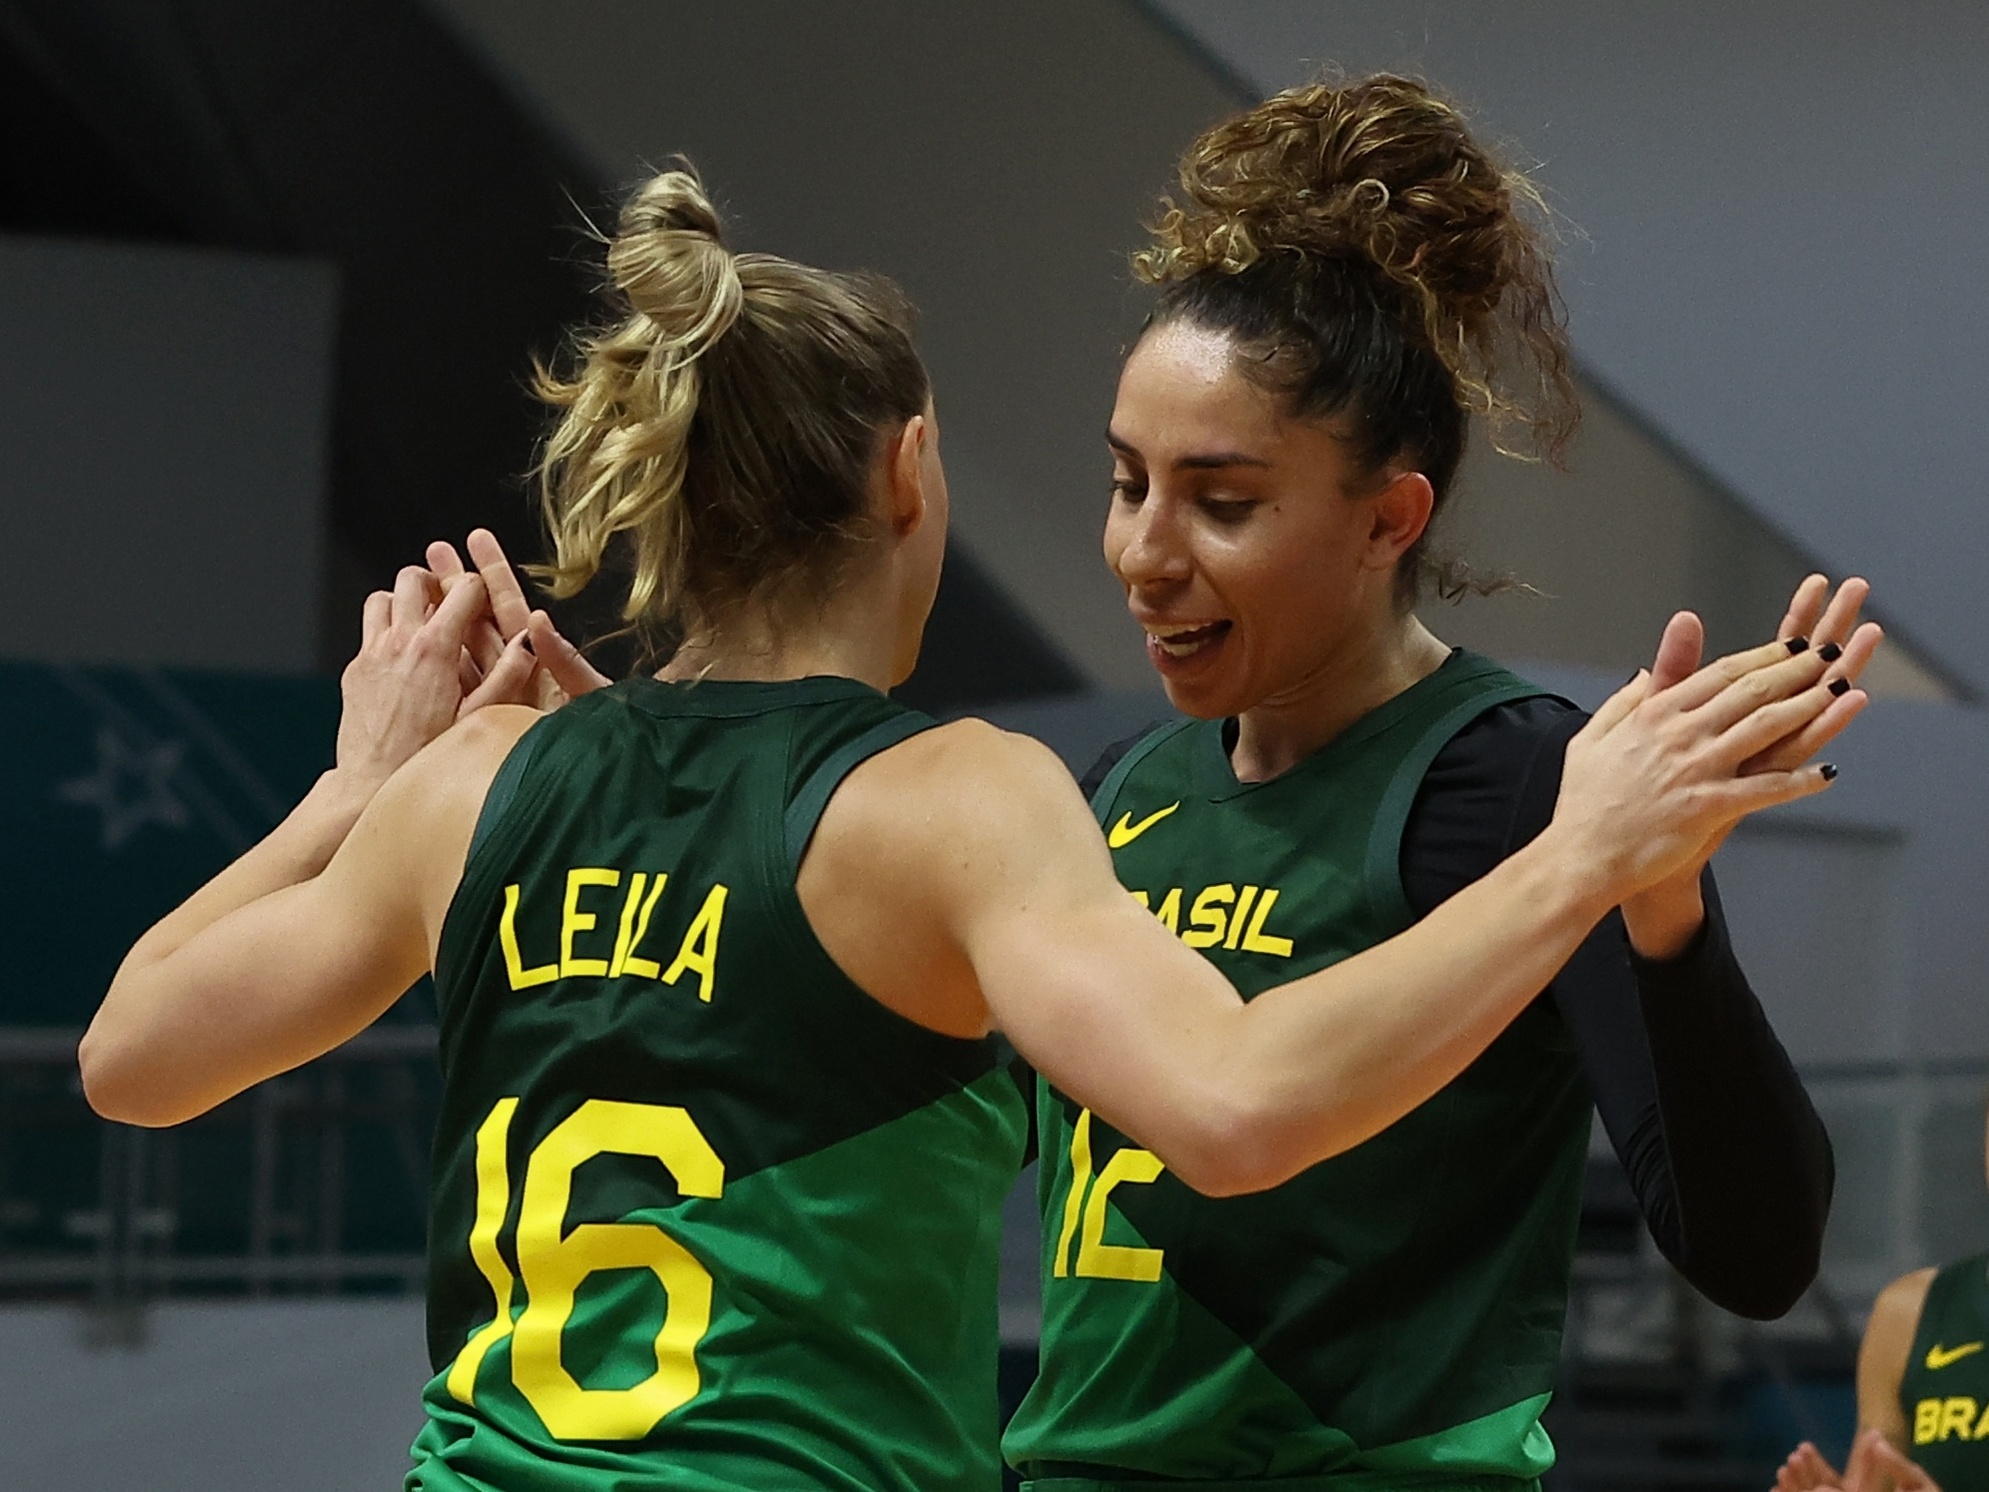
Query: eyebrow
x=1199 y=461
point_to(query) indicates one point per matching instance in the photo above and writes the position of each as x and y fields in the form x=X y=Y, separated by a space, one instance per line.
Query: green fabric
x=1390 y=1319
x=827 y=1174
x=1944 y=1391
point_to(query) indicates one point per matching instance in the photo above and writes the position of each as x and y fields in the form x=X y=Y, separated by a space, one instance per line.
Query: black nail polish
x=1840 y=686
x=1797 y=644
x=1830 y=652
x=1829 y=771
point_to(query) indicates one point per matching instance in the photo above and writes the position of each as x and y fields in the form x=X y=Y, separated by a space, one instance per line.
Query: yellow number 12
x=553 y=1262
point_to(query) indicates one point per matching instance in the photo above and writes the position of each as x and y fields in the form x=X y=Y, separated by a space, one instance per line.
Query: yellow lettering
x=1957 y=1417
x=573 y=920
x=1209 y=921
x=1982 y=1425
x=635 y=924
x=1926 y=1421
x=1236 y=920
x=1170 y=910
x=1080 y=1178
x=1257 y=940
x=1140 y=897
x=514 y=962
x=700 y=950
x=493 y=1197
x=556 y=1260
x=1099 y=1260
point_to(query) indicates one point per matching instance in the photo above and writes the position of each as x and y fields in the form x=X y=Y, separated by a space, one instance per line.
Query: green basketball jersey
x=705 y=1214
x=1390 y=1318
x=1945 y=1390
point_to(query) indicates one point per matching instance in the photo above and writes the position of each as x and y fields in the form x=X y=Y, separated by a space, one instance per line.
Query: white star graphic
x=150 y=800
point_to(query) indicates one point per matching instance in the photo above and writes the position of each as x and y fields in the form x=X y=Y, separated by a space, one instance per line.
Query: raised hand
x=1657 y=774
x=562 y=671
x=1875 y=1466
x=405 y=685
x=1663 y=919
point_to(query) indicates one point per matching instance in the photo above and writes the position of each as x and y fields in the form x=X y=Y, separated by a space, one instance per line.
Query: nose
x=1144 y=545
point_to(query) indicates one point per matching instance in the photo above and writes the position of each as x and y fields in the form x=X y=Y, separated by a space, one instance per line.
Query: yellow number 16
x=553 y=1262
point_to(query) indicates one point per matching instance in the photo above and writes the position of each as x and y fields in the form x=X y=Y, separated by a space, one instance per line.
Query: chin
x=1202 y=700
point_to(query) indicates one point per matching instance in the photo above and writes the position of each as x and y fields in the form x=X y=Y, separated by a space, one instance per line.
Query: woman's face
x=1250 y=553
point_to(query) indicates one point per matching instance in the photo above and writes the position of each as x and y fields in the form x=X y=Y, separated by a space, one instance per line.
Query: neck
x=840 y=639
x=1369 y=668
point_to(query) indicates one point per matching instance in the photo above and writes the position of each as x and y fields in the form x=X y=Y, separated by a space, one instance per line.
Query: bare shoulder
x=966 y=784
x=1901 y=1302
x=1888 y=1343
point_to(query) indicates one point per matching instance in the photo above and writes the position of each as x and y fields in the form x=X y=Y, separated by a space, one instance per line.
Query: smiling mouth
x=1184 y=641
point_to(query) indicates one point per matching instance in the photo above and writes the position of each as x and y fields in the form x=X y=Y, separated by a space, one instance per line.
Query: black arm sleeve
x=1729 y=1161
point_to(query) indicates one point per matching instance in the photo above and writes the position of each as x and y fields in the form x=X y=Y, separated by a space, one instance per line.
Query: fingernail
x=1829 y=771
x=1840 y=686
x=1797 y=644
x=1830 y=652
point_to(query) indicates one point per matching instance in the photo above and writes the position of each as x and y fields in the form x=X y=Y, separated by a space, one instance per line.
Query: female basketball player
x=723 y=1135
x=1345 y=280
x=1923 y=1382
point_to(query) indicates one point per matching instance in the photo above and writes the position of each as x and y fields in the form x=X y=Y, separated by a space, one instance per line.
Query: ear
x=904 y=478
x=1401 y=512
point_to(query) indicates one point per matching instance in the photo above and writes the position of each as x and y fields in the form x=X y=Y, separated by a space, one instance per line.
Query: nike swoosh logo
x=1126 y=831
x=1939 y=1357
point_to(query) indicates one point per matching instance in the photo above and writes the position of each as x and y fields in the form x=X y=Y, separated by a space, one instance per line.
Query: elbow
x=1233 y=1146
x=1761 y=1276
x=115 y=1088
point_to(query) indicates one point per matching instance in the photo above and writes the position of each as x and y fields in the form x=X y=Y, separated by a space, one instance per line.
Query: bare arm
x=288 y=973
x=960 y=879
x=1882 y=1355
x=184 y=1025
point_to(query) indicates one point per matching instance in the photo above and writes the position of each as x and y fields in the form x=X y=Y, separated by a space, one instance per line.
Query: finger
x=508 y=604
x=509 y=682
x=1907 y=1475
x=446 y=629
x=1680 y=650
x=1716 y=676
x=468 y=675
x=1841 y=617
x=1760 y=687
x=443 y=562
x=1794 y=750
x=1761 y=730
x=375 y=616
x=414 y=596
x=1805 y=608
x=1816 y=1471
x=1739 y=797
x=1859 y=651
x=1615 y=709
x=566 y=664
x=484 y=643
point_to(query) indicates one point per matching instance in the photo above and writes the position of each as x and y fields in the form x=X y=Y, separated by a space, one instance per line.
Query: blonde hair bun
x=668 y=259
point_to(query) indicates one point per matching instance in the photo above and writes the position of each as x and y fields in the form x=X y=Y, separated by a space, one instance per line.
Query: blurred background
x=271 y=278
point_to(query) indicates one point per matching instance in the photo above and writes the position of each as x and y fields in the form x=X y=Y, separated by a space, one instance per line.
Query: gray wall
x=163 y=417
x=311 y=1396
x=996 y=159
